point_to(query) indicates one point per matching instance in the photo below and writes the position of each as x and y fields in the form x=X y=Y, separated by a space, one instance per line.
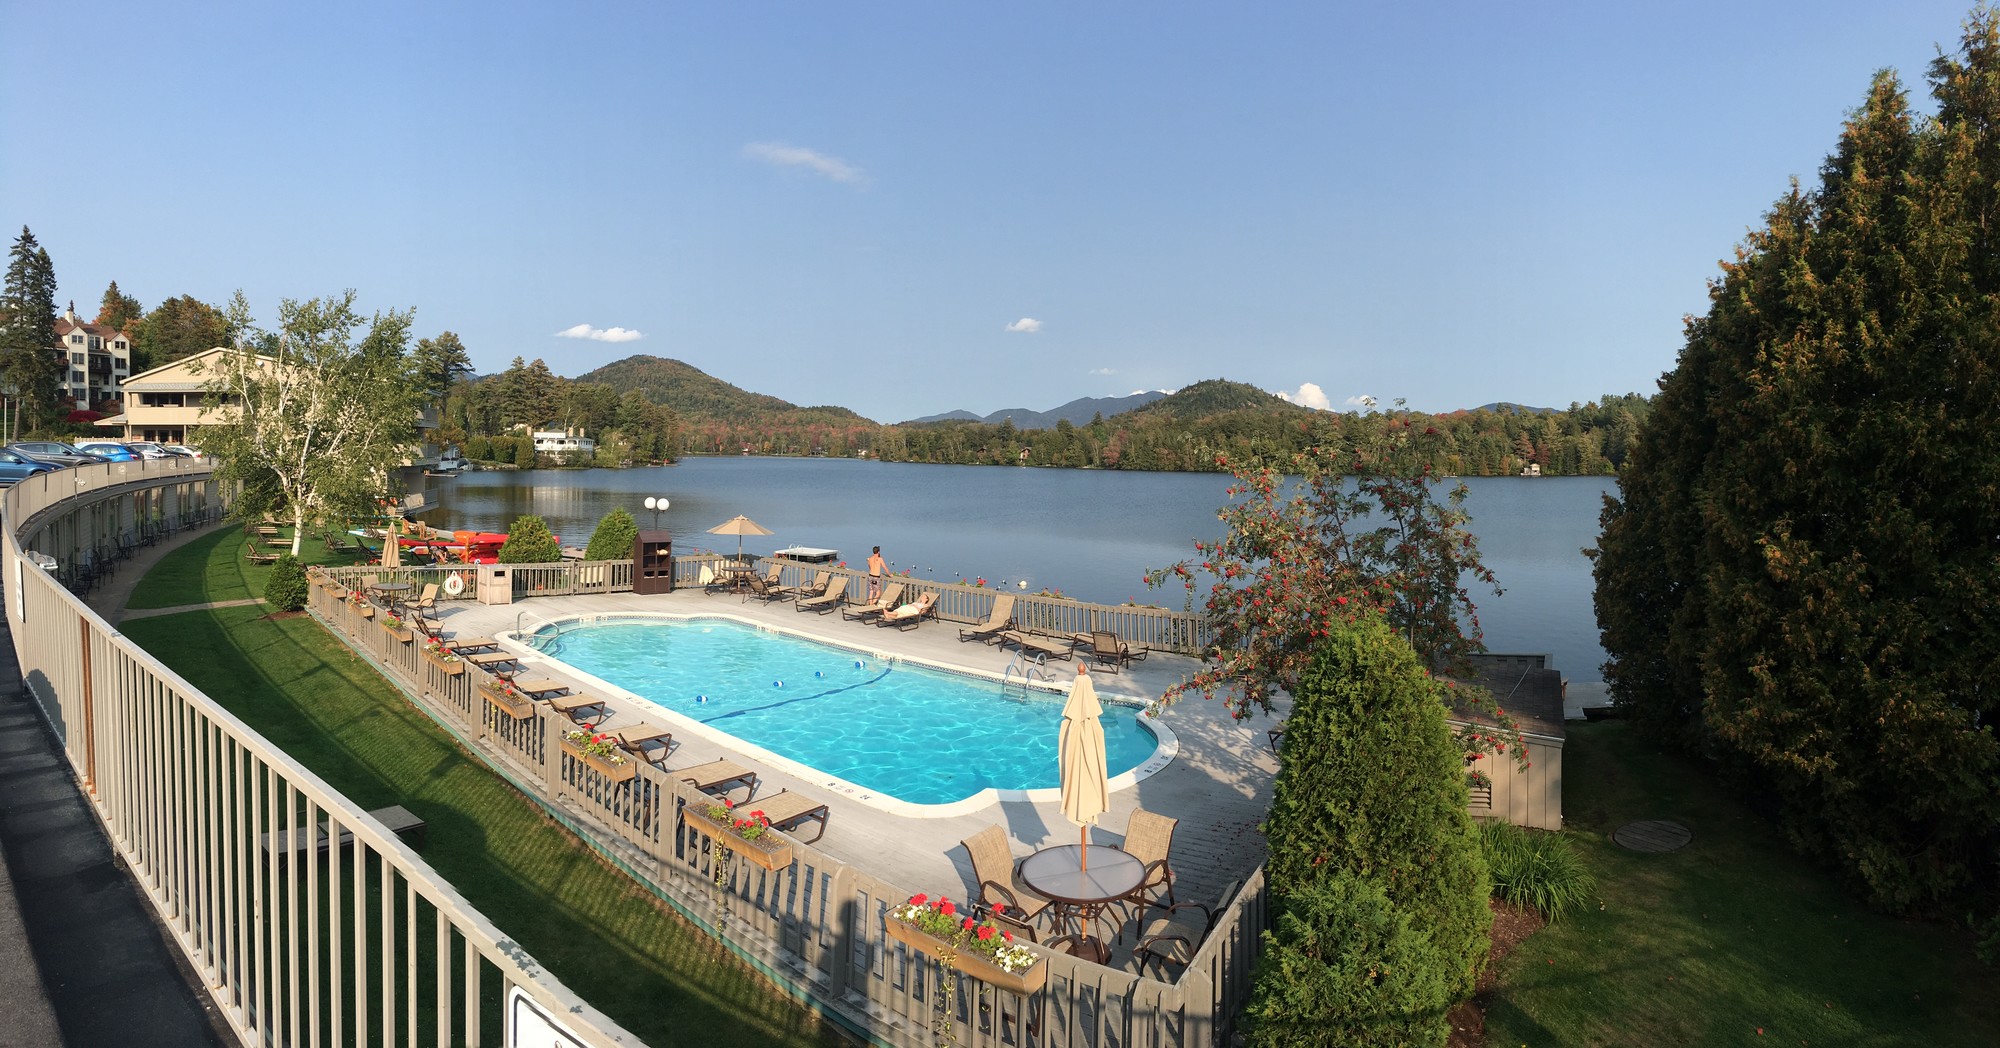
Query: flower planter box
x=972 y=963
x=451 y=669
x=519 y=707
x=401 y=633
x=366 y=611
x=770 y=851
x=621 y=771
x=335 y=590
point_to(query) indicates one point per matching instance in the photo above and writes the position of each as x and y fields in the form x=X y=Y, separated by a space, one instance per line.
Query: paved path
x=155 y=612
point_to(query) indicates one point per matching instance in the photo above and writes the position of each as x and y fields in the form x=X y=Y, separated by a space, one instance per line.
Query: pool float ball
x=701 y=698
x=819 y=673
x=857 y=664
x=777 y=684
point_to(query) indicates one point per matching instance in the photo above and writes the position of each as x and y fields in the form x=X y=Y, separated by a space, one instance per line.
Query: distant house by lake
x=565 y=442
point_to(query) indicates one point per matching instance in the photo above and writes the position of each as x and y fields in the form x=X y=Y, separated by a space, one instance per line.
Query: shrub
x=286 y=589
x=1342 y=965
x=529 y=542
x=1374 y=785
x=1534 y=868
x=478 y=447
x=614 y=537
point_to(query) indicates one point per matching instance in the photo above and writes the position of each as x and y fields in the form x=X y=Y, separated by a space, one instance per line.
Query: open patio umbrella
x=1080 y=754
x=739 y=526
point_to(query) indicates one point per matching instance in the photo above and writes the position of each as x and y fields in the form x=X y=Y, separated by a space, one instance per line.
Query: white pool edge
x=1166 y=744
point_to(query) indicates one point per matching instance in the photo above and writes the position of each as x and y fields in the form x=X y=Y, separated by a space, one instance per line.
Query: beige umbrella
x=739 y=526
x=1085 y=792
x=392 y=545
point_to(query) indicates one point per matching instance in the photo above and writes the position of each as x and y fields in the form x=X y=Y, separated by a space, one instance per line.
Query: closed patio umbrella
x=392 y=545
x=1086 y=792
x=739 y=526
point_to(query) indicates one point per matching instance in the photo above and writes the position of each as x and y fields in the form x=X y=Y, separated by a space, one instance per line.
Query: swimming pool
x=917 y=734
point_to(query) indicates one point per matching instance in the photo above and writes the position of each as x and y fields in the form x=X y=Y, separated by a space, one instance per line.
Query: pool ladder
x=1027 y=670
x=537 y=640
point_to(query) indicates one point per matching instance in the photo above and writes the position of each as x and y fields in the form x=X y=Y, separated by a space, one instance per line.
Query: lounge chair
x=833 y=596
x=258 y=554
x=785 y=810
x=339 y=545
x=993 y=872
x=890 y=598
x=584 y=711
x=1177 y=932
x=491 y=661
x=1111 y=652
x=818 y=585
x=907 y=616
x=762 y=588
x=640 y=740
x=999 y=619
x=719 y=777
x=1041 y=647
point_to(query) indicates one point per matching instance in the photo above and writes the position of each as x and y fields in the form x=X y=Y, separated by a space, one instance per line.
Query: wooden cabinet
x=653 y=562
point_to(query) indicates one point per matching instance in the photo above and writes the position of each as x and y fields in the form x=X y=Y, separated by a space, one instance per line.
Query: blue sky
x=910 y=208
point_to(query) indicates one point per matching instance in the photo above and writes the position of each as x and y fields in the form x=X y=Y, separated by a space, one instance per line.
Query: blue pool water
x=914 y=733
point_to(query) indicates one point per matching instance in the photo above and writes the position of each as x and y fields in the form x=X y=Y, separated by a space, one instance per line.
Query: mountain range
x=1077 y=412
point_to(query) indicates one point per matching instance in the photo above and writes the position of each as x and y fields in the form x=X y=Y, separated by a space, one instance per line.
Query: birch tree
x=315 y=419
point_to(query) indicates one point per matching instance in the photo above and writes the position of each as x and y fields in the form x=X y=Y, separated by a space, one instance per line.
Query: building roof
x=1522 y=685
x=64 y=326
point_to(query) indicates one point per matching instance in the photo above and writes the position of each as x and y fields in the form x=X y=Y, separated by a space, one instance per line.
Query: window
x=76 y=340
x=96 y=342
x=76 y=377
x=77 y=359
x=120 y=344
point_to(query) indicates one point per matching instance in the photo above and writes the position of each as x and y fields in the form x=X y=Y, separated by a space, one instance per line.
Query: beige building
x=97 y=359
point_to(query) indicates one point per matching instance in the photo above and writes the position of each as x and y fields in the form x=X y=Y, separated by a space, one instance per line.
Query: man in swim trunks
x=875 y=567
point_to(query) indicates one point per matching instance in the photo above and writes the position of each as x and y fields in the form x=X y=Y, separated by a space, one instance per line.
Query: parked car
x=16 y=468
x=148 y=449
x=182 y=450
x=53 y=452
x=110 y=449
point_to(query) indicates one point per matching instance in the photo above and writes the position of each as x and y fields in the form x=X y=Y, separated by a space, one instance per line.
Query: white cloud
x=778 y=154
x=1308 y=395
x=1025 y=326
x=598 y=334
x=1103 y=371
x=1364 y=401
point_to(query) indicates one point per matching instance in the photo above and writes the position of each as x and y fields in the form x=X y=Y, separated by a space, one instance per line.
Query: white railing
x=361 y=943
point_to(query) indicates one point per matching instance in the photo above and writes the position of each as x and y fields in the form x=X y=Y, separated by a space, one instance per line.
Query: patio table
x=1083 y=889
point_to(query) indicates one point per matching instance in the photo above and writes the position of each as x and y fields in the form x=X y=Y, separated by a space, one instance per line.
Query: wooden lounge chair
x=1112 y=653
x=993 y=872
x=541 y=688
x=1043 y=648
x=999 y=619
x=1149 y=838
x=258 y=554
x=584 y=711
x=907 y=616
x=1174 y=934
x=890 y=598
x=761 y=587
x=491 y=661
x=817 y=586
x=785 y=810
x=719 y=777
x=642 y=740
x=833 y=596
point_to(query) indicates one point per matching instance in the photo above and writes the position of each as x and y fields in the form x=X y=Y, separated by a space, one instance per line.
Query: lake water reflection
x=1089 y=533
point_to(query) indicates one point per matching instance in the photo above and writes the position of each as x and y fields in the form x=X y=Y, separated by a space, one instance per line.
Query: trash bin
x=496 y=585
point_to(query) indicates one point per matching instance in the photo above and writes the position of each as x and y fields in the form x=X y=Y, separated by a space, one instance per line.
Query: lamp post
x=656 y=505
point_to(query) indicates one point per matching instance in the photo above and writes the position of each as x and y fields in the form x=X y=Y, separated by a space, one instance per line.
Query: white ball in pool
x=777 y=684
x=701 y=698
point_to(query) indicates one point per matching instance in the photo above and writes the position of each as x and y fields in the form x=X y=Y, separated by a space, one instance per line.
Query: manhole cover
x=1653 y=835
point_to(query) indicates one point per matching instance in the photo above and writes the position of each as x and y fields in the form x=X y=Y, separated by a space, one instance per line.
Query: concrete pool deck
x=1218 y=785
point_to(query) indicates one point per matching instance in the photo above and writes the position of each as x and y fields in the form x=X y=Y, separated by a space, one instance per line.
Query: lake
x=1090 y=533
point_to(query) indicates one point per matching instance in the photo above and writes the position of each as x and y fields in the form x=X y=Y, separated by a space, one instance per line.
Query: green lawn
x=213 y=568
x=1730 y=934
x=613 y=943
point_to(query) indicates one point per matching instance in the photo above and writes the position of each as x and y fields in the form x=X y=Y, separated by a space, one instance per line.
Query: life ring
x=454 y=585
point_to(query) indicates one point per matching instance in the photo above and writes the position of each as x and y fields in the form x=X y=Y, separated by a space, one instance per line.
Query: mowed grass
x=1730 y=936
x=608 y=940
x=213 y=568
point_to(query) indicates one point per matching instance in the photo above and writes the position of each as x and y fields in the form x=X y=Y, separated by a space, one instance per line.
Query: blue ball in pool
x=819 y=673
x=857 y=664
x=701 y=698
x=777 y=684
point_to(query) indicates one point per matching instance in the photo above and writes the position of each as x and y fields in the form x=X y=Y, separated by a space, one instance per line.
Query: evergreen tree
x=29 y=361
x=437 y=363
x=1805 y=542
x=614 y=537
x=1373 y=787
x=176 y=329
x=530 y=542
x=1344 y=967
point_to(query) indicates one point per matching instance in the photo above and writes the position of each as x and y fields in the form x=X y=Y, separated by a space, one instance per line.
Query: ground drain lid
x=1653 y=835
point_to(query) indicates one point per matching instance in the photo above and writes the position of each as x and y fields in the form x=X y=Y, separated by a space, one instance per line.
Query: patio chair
x=1001 y=618
x=890 y=598
x=584 y=711
x=907 y=616
x=786 y=810
x=339 y=545
x=719 y=777
x=1043 y=648
x=829 y=598
x=818 y=585
x=993 y=870
x=1149 y=838
x=258 y=554
x=1173 y=935
x=1111 y=652
x=642 y=739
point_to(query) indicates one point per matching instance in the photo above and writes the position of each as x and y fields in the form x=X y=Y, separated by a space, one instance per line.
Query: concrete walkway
x=83 y=961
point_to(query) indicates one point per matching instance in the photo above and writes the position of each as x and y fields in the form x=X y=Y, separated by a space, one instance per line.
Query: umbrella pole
x=1084 y=832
